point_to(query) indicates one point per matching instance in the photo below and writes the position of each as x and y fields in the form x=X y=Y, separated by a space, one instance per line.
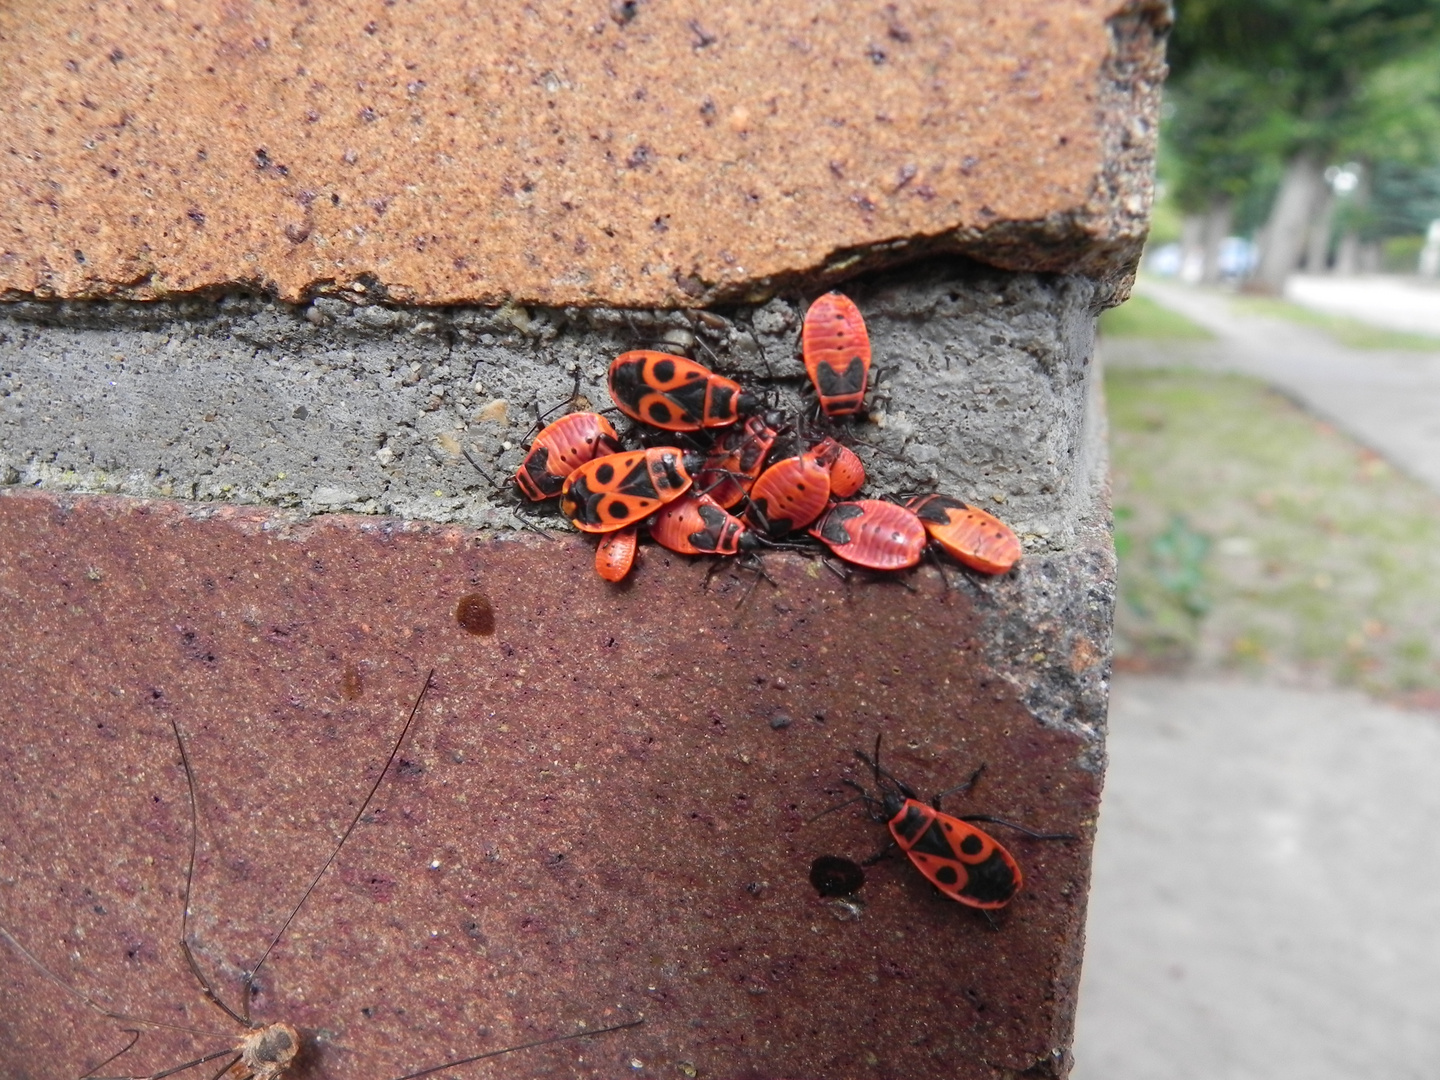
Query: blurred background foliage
x=1311 y=125
x=1253 y=536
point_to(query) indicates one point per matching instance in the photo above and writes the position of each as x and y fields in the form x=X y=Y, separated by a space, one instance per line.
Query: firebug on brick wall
x=965 y=863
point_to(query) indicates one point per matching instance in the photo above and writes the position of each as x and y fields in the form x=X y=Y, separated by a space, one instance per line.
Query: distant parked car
x=1237 y=257
x=1164 y=260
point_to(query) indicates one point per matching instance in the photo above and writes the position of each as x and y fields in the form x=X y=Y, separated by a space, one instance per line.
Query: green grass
x=1253 y=536
x=1354 y=333
x=1141 y=317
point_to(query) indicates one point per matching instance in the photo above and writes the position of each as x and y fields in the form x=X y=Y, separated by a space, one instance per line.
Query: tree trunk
x=1317 y=246
x=1290 y=219
x=1192 y=248
x=1218 y=223
x=1349 y=252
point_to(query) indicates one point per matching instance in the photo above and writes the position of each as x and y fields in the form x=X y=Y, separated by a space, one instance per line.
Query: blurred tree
x=1261 y=83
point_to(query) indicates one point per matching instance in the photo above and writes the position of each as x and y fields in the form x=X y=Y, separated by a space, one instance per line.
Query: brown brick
x=639 y=153
x=619 y=828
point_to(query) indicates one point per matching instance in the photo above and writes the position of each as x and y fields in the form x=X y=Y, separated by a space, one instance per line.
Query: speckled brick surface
x=601 y=814
x=627 y=153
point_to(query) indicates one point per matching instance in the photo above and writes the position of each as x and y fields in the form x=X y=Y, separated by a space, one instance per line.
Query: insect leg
x=365 y=805
x=520 y=1046
x=883 y=853
x=958 y=788
x=200 y=1061
x=205 y=987
x=134 y=1034
x=1018 y=828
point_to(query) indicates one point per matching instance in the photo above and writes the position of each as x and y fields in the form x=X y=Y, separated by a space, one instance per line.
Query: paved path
x=1401 y=303
x=1390 y=400
x=1267 y=888
x=1267 y=874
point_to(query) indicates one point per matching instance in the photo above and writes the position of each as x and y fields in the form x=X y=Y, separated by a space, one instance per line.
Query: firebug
x=560 y=449
x=736 y=459
x=979 y=540
x=847 y=471
x=673 y=393
x=836 y=349
x=873 y=534
x=615 y=553
x=696 y=525
x=790 y=494
x=963 y=862
x=611 y=492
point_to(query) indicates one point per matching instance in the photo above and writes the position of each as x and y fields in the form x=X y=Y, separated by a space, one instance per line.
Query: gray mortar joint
x=344 y=405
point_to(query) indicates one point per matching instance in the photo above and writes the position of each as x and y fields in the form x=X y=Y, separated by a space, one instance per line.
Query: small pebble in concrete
x=780 y=721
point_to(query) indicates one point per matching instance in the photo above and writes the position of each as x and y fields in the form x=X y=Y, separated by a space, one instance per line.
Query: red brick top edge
x=641 y=152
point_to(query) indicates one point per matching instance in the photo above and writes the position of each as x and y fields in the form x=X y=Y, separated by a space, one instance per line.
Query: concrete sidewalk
x=1401 y=303
x=1266 y=888
x=1388 y=399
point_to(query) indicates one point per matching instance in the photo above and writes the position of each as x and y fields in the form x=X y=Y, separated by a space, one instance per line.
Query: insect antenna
x=884 y=774
x=521 y=1046
x=568 y=404
x=519 y=514
x=476 y=466
x=394 y=751
x=864 y=797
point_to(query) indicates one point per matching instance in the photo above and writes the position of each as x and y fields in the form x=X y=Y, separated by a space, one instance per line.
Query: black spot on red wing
x=638 y=481
x=913 y=818
x=617 y=510
x=626 y=385
x=833 y=531
x=659 y=412
x=605 y=474
x=670 y=473
x=832 y=528
x=539 y=482
x=663 y=372
x=712 y=533
x=947 y=874
x=933 y=841
x=931 y=510
x=582 y=504
x=992 y=881
x=837 y=383
x=971 y=845
x=689 y=398
x=722 y=402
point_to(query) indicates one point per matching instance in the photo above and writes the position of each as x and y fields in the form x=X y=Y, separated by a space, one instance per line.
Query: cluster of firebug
x=720 y=494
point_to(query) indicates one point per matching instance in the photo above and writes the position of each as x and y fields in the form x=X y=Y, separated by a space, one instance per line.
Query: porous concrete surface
x=635 y=152
x=981 y=384
x=606 y=810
